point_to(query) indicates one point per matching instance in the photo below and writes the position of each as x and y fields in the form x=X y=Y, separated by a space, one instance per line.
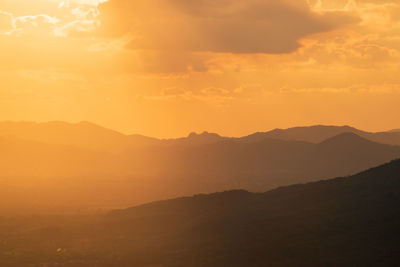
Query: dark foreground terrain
x=352 y=221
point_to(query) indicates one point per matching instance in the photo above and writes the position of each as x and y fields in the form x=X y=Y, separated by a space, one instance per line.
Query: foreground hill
x=351 y=221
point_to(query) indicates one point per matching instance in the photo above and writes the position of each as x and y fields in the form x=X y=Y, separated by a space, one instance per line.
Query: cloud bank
x=221 y=26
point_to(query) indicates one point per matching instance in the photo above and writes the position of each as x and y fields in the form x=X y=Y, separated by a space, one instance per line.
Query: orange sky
x=165 y=68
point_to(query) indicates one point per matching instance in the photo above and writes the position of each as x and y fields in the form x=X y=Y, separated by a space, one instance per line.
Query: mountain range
x=84 y=165
x=89 y=135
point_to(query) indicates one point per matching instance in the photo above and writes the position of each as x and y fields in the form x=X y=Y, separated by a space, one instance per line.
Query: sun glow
x=84 y=2
x=177 y=75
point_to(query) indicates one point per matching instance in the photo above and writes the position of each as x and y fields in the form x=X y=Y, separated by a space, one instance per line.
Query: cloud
x=372 y=44
x=35 y=20
x=382 y=88
x=221 y=26
x=57 y=18
x=6 y=22
x=212 y=96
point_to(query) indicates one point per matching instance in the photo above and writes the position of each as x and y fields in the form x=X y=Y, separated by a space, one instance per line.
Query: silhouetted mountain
x=266 y=164
x=351 y=221
x=83 y=135
x=392 y=138
x=89 y=135
x=196 y=139
x=319 y=133
x=347 y=138
x=312 y=134
x=395 y=130
x=92 y=136
x=60 y=163
x=146 y=173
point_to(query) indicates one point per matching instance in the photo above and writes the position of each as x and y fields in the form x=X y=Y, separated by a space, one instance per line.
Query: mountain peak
x=313 y=134
x=346 y=138
x=203 y=134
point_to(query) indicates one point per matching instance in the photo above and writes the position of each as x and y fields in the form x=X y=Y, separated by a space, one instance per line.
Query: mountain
x=60 y=164
x=350 y=221
x=62 y=175
x=91 y=136
x=312 y=134
x=319 y=133
x=196 y=139
x=266 y=164
x=84 y=135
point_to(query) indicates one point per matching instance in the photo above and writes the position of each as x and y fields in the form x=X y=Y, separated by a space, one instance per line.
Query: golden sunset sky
x=165 y=68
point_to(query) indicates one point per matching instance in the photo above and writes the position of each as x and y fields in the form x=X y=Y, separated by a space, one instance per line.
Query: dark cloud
x=225 y=26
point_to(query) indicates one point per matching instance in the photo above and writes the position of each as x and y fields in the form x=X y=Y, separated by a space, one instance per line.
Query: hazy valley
x=79 y=167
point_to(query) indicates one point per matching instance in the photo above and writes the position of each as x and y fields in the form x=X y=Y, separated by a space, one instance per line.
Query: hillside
x=351 y=221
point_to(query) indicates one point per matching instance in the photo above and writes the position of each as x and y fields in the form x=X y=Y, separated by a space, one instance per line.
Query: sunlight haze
x=129 y=66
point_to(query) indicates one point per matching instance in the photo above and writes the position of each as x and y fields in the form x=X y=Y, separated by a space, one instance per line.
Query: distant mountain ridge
x=312 y=134
x=62 y=163
x=83 y=134
x=67 y=174
x=196 y=139
x=89 y=135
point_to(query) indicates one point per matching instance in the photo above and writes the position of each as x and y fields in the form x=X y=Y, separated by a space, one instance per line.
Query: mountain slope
x=55 y=162
x=91 y=136
x=351 y=221
x=319 y=133
x=312 y=134
x=269 y=163
x=60 y=175
x=196 y=139
x=84 y=135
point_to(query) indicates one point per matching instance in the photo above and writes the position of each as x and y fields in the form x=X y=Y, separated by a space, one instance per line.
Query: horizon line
x=190 y=132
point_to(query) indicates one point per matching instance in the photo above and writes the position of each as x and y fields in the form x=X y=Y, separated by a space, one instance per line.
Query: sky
x=165 y=68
